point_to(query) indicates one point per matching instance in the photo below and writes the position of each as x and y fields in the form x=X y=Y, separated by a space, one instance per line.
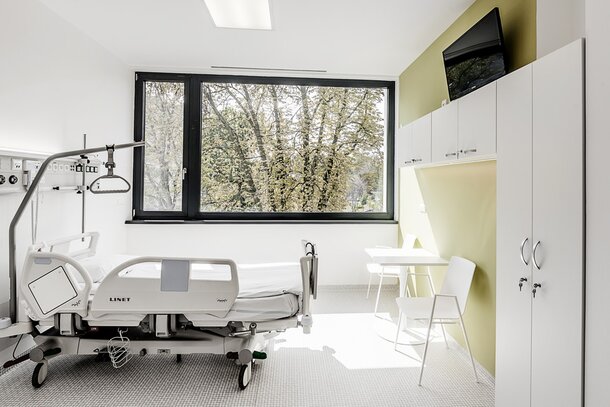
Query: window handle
x=183 y=174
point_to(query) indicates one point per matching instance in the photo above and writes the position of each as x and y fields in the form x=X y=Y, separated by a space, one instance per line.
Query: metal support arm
x=12 y=267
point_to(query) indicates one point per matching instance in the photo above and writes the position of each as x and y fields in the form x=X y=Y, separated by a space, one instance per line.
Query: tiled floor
x=344 y=362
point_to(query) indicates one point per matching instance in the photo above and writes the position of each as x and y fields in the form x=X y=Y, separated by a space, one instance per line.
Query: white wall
x=340 y=246
x=55 y=84
x=597 y=332
x=558 y=23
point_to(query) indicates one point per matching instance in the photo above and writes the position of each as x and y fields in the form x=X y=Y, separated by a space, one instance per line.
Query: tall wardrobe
x=540 y=232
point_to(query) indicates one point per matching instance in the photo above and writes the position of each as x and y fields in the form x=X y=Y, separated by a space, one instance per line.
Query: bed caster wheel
x=245 y=375
x=40 y=373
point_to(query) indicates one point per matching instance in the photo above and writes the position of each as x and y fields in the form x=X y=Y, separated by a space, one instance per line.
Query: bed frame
x=142 y=315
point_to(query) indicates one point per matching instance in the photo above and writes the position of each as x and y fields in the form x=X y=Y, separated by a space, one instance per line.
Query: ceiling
x=343 y=37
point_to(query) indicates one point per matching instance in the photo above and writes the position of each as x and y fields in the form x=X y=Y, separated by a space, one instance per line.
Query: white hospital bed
x=123 y=305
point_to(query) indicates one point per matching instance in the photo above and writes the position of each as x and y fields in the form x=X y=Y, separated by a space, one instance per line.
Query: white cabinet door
x=403 y=145
x=557 y=311
x=477 y=122
x=444 y=133
x=514 y=239
x=421 y=151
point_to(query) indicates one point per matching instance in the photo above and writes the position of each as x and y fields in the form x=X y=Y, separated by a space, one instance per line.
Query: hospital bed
x=122 y=306
x=75 y=302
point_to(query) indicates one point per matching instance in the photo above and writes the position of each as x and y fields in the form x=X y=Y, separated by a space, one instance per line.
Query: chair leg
x=430 y=281
x=445 y=335
x=476 y=377
x=378 y=292
x=368 y=290
x=398 y=329
x=423 y=361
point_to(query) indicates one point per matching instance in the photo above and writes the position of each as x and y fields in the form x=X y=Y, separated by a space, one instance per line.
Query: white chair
x=394 y=271
x=444 y=308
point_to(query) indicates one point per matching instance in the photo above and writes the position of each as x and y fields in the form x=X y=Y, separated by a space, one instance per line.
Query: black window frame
x=192 y=150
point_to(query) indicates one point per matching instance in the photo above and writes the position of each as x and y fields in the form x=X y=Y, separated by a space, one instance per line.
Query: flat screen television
x=477 y=57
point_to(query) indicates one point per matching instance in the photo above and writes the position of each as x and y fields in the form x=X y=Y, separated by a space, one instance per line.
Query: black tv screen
x=477 y=57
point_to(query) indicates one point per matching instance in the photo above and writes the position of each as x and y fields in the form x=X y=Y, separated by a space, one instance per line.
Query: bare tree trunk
x=329 y=177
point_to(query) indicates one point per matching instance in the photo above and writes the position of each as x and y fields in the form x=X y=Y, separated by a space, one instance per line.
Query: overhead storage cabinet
x=477 y=123
x=445 y=133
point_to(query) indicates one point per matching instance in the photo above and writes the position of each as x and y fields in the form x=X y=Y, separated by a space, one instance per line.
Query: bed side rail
x=309 y=273
x=90 y=239
x=49 y=287
x=162 y=285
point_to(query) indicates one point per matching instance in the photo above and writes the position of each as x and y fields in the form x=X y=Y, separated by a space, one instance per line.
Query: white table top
x=405 y=257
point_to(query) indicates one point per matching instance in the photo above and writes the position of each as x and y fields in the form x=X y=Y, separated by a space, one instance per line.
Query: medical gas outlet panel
x=18 y=170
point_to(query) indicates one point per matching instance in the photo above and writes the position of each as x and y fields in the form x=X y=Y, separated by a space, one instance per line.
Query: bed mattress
x=267 y=291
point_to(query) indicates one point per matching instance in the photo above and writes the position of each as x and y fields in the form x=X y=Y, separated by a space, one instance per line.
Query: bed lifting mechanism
x=96 y=185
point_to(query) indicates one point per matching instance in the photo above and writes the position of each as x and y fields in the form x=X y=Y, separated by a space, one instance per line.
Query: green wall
x=452 y=209
x=423 y=85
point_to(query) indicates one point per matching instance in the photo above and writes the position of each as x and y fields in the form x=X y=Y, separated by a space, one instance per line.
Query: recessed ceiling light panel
x=245 y=14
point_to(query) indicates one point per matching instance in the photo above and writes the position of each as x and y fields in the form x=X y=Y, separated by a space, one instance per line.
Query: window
x=263 y=148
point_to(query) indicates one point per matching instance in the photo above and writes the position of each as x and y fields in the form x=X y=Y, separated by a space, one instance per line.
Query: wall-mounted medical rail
x=12 y=266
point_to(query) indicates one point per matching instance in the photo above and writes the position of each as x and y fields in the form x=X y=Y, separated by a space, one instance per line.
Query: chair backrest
x=409 y=241
x=458 y=280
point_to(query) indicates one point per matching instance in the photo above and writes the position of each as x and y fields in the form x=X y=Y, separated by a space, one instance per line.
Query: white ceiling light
x=249 y=14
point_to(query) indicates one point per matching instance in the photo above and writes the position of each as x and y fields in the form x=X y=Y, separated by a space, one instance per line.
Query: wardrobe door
x=558 y=151
x=445 y=133
x=477 y=122
x=422 y=140
x=514 y=239
x=403 y=146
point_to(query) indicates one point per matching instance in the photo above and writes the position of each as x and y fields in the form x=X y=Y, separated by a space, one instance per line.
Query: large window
x=256 y=148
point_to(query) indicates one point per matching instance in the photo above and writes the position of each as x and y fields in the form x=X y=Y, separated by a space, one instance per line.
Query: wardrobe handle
x=472 y=150
x=450 y=154
x=534 y=255
x=521 y=251
x=416 y=160
x=409 y=162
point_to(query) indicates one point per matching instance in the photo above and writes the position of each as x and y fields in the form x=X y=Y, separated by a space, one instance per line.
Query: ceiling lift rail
x=12 y=267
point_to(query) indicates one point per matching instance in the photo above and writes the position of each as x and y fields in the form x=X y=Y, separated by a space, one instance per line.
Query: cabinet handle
x=521 y=251
x=534 y=255
x=416 y=160
x=450 y=154
x=472 y=150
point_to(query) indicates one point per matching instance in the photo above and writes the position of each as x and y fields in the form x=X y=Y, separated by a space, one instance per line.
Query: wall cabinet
x=477 y=122
x=445 y=133
x=462 y=130
x=413 y=142
x=540 y=232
